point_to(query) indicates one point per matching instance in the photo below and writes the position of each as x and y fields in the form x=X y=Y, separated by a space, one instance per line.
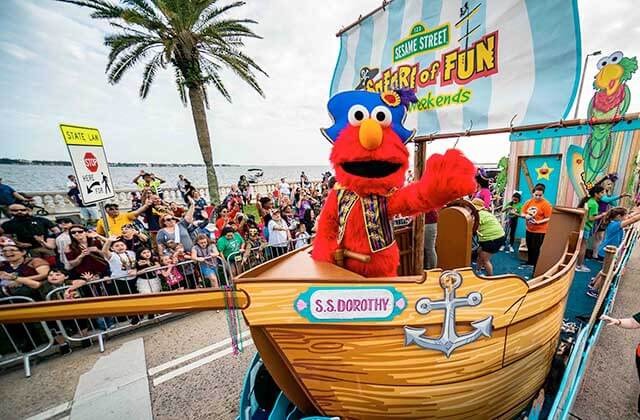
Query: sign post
x=90 y=165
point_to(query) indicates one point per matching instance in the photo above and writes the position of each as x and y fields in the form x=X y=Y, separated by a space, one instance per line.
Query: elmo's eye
x=357 y=114
x=382 y=114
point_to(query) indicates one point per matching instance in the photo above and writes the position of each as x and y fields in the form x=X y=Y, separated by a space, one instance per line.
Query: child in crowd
x=279 y=234
x=590 y=203
x=231 y=246
x=170 y=273
x=56 y=278
x=181 y=258
x=254 y=246
x=230 y=242
x=122 y=263
x=302 y=237
x=513 y=209
x=147 y=265
x=206 y=253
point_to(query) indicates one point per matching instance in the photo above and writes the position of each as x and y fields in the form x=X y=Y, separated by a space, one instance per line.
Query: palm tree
x=192 y=36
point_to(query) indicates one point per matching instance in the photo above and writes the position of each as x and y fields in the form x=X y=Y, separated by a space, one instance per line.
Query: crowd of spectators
x=152 y=246
x=157 y=244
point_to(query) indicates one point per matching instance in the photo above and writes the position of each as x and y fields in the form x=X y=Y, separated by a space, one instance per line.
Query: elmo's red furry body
x=447 y=177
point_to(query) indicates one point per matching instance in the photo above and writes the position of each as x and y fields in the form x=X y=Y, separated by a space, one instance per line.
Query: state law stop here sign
x=89 y=162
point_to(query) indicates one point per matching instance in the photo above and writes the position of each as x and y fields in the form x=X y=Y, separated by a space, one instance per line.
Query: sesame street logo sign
x=421 y=41
x=480 y=63
x=455 y=66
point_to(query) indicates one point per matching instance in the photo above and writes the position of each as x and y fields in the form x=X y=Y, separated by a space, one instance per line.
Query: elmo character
x=370 y=159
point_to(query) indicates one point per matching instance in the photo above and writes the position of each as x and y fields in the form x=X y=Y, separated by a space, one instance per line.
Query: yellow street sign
x=81 y=136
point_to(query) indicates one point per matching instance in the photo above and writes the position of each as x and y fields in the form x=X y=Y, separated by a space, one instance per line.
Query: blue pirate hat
x=395 y=101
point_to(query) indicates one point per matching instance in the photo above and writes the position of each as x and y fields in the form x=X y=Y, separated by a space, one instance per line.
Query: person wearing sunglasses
x=117 y=220
x=9 y=196
x=176 y=230
x=30 y=232
x=84 y=253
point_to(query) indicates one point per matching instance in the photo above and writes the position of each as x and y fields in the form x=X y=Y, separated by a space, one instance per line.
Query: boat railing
x=25 y=340
x=588 y=335
x=559 y=252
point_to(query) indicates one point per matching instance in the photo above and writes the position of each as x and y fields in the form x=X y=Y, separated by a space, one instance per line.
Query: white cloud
x=64 y=81
x=16 y=51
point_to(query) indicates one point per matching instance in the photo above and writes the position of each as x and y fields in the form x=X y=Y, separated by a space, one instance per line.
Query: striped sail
x=478 y=63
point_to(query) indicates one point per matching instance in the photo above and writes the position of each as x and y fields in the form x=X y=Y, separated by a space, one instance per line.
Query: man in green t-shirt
x=591 y=207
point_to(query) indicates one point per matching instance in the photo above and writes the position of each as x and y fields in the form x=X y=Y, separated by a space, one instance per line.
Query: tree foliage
x=195 y=37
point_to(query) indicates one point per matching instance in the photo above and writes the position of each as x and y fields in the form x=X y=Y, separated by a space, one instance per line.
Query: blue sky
x=52 y=61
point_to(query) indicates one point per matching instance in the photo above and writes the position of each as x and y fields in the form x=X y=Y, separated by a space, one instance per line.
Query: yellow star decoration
x=544 y=172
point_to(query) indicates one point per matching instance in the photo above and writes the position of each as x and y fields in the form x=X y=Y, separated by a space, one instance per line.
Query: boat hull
x=363 y=370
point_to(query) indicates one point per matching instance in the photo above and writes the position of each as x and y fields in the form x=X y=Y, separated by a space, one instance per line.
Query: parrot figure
x=370 y=159
x=611 y=100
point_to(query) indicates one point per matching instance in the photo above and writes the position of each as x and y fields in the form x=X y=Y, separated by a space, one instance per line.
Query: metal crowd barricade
x=242 y=261
x=183 y=275
x=24 y=340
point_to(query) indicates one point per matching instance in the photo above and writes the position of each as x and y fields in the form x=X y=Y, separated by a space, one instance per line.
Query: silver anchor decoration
x=449 y=340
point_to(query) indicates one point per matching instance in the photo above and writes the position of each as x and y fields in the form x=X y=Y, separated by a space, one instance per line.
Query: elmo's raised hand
x=446 y=178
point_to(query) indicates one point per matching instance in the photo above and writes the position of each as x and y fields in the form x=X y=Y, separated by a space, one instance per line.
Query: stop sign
x=90 y=162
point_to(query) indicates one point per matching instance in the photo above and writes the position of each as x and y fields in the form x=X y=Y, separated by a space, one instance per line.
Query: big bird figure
x=370 y=159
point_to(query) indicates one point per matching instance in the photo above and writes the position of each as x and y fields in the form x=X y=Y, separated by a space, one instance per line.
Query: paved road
x=204 y=384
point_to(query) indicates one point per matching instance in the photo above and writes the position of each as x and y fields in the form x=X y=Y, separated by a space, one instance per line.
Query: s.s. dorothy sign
x=344 y=304
x=471 y=63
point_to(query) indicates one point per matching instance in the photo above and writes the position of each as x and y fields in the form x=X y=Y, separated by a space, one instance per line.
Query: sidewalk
x=610 y=387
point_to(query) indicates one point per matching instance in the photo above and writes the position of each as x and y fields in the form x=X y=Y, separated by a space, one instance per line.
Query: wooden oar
x=155 y=303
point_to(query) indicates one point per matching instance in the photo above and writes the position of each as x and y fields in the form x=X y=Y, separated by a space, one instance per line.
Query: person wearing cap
x=148 y=180
x=117 y=220
x=490 y=236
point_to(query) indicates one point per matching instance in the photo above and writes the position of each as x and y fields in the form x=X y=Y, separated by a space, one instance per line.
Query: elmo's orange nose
x=370 y=134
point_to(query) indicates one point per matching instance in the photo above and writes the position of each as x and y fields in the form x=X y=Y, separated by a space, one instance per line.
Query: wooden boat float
x=444 y=344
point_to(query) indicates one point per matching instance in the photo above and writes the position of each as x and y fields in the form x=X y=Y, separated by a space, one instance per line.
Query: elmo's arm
x=446 y=178
x=326 y=241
